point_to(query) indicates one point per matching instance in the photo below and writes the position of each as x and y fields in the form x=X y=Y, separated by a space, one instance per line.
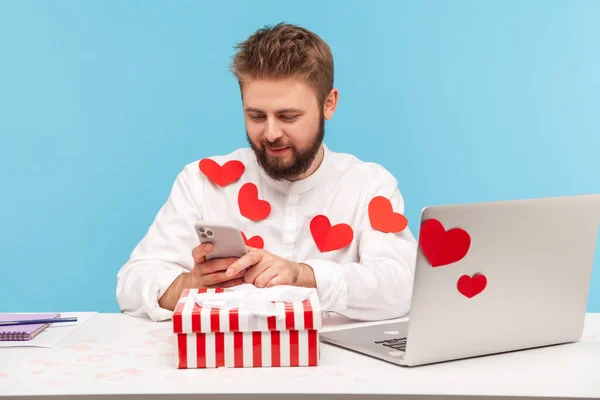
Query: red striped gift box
x=213 y=337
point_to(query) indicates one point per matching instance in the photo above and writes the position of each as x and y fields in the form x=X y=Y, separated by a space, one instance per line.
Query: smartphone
x=227 y=241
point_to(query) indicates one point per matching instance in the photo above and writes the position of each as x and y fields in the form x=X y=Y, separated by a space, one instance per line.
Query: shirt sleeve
x=378 y=286
x=161 y=256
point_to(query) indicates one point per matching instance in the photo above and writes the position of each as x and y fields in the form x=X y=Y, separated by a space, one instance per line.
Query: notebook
x=23 y=332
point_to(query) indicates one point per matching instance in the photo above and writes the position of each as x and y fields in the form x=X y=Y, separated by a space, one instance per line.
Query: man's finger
x=199 y=252
x=275 y=281
x=263 y=278
x=220 y=277
x=282 y=278
x=216 y=265
x=228 y=284
x=255 y=270
x=245 y=261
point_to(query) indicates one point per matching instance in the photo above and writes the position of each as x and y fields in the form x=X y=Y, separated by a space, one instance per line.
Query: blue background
x=103 y=103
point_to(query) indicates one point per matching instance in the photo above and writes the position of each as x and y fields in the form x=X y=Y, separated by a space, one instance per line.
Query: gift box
x=264 y=328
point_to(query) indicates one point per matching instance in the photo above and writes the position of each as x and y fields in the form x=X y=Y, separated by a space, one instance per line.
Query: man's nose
x=273 y=130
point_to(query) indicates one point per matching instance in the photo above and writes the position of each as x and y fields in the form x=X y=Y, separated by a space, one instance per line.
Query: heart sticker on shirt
x=383 y=218
x=224 y=175
x=471 y=286
x=442 y=247
x=255 y=241
x=329 y=238
x=250 y=205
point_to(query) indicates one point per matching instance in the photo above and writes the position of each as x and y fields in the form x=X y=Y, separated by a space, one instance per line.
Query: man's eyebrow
x=290 y=110
x=283 y=111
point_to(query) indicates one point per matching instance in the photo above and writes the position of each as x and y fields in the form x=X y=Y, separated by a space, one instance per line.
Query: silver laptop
x=536 y=256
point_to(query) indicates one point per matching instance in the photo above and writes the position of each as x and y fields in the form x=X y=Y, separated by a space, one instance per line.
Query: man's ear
x=330 y=104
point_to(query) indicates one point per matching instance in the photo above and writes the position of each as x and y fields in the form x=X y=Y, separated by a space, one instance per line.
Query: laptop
x=490 y=278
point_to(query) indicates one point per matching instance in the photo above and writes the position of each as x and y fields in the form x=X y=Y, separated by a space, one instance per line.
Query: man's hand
x=266 y=270
x=211 y=273
x=205 y=274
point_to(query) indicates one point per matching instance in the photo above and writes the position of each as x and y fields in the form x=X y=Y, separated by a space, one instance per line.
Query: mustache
x=276 y=145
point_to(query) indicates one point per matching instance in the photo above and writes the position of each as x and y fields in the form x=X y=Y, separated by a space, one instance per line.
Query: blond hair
x=286 y=51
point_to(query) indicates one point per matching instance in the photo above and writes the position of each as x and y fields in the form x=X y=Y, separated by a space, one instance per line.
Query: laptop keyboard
x=396 y=344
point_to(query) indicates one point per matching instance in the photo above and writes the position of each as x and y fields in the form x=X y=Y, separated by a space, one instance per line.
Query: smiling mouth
x=277 y=151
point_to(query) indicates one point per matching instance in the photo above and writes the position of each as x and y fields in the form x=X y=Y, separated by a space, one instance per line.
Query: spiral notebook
x=23 y=332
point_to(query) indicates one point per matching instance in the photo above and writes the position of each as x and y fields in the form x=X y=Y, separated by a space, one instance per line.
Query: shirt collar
x=302 y=185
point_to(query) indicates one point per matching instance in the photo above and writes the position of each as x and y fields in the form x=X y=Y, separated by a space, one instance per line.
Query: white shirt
x=371 y=278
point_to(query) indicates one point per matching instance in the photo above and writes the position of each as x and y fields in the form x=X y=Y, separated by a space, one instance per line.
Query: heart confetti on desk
x=442 y=247
x=224 y=175
x=471 y=286
x=250 y=205
x=329 y=238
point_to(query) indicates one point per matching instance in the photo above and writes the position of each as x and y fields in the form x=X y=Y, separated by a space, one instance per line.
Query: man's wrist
x=187 y=281
x=306 y=276
x=169 y=299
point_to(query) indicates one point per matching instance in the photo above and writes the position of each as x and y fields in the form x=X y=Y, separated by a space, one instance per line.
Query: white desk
x=123 y=357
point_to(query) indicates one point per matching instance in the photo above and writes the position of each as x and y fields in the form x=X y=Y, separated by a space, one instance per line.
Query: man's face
x=284 y=125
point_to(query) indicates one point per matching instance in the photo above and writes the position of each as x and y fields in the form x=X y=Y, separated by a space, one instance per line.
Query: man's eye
x=288 y=117
x=257 y=117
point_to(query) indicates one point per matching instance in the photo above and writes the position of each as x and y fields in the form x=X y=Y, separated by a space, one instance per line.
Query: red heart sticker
x=442 y=247
x=383 y=218
x=471 y=286
x=250 y=205
x=255 y=241
x=224 y=175
x=329 y=238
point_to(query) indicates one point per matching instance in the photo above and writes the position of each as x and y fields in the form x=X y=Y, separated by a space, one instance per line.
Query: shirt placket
x=290 y=225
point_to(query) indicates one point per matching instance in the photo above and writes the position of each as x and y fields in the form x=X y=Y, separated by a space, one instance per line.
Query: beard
x=300 y=161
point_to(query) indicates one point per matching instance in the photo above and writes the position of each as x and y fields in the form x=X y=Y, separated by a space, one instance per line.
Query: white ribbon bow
x=249 y=298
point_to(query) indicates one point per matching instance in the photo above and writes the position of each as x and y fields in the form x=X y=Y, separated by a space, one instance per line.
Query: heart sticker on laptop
x=471 y=286
x=442 y=247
